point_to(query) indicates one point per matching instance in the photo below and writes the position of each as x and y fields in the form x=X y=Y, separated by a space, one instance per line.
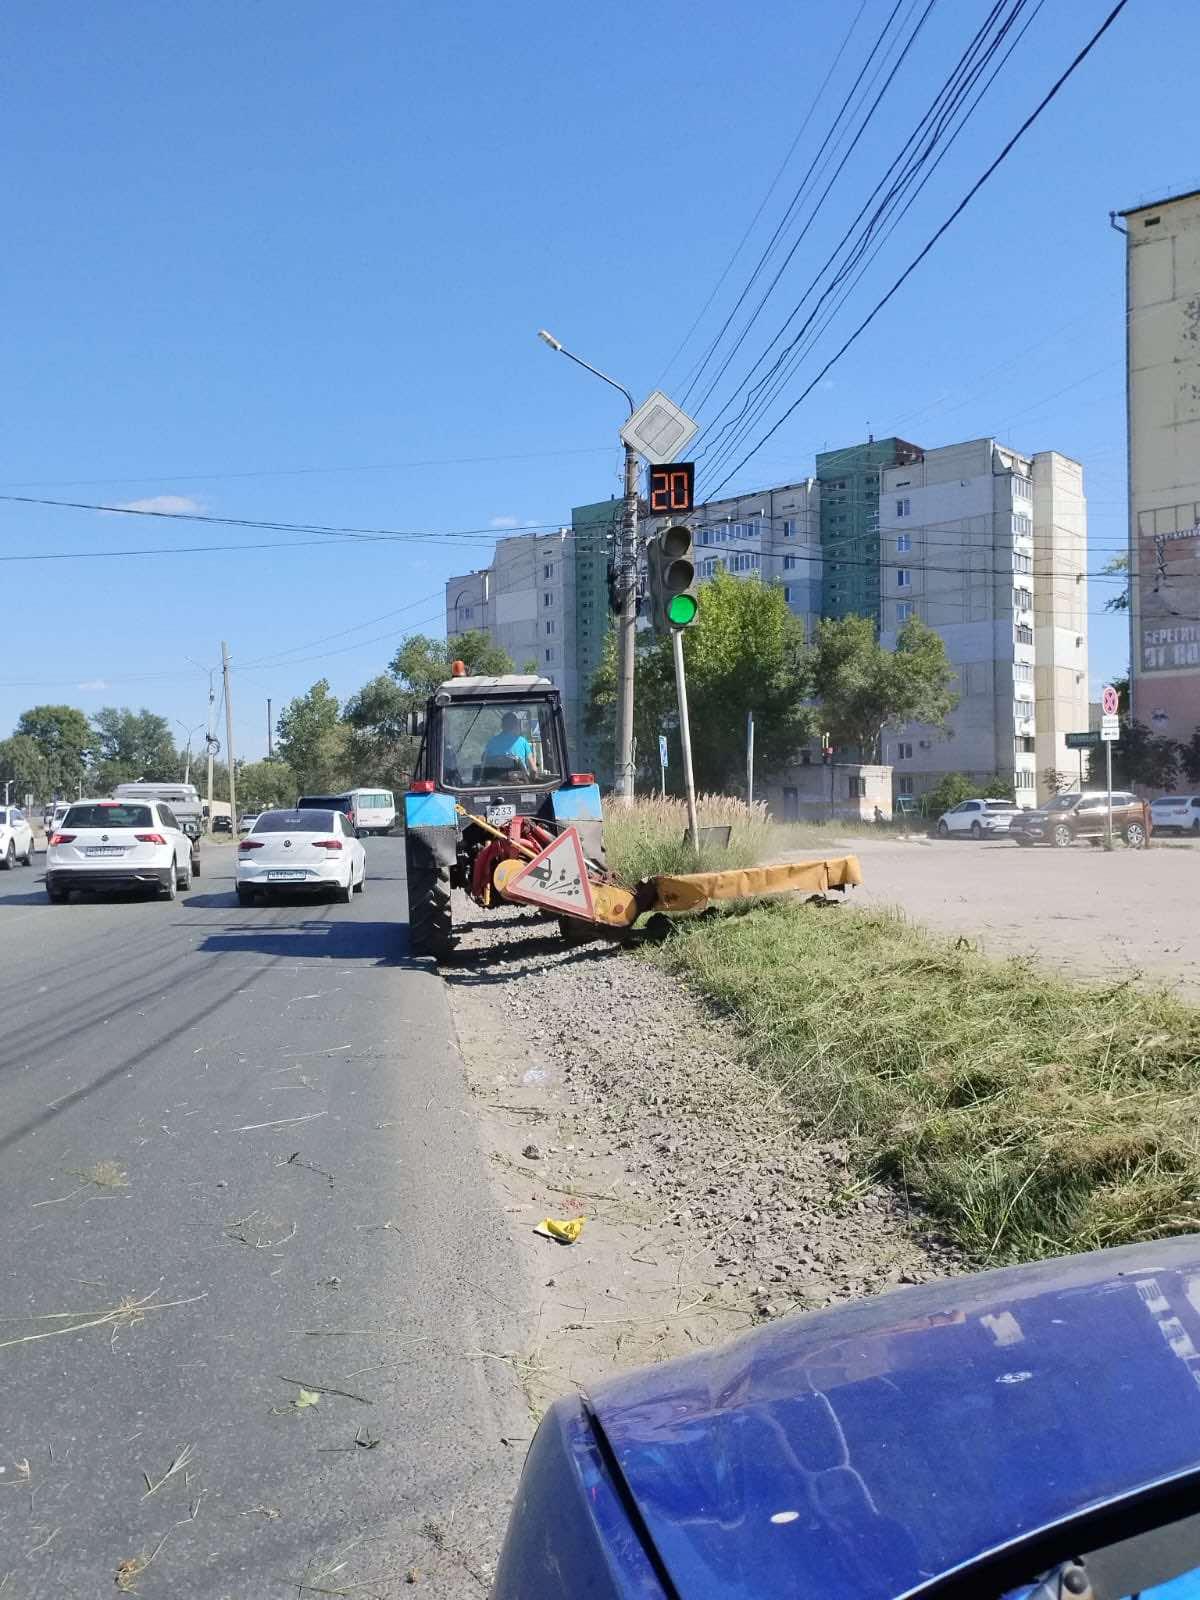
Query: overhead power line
x=1029 y=121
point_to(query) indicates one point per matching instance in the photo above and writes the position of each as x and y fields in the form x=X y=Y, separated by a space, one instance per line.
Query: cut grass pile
x=1029 y=1115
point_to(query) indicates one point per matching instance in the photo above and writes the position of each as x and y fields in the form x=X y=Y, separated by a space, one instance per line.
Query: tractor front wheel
x=430 y=925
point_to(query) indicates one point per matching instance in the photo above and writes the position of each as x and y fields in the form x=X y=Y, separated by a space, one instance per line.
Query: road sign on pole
x=662 y=762
x=556 y=878
x=1082 y=741
x=1110 y=729
x=1110 y=700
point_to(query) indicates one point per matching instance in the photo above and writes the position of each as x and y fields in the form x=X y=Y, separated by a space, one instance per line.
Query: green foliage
x=1031 y=1116
x=422 y=663
x=1118 y=567
x=380 y=750
x=1139 y=757
x=862 y=688
x=650 y=836
x=133 y=744
x=956 y=787
x=23 y=763
x=264 y=784
x=65 y=739
x=313 y=741
x=746 y=652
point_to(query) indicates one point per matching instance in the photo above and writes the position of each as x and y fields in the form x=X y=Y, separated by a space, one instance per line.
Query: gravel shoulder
x=606 y=1092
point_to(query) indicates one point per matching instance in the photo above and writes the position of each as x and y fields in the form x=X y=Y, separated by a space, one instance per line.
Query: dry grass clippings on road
x=1031 y=1115
x=713 y=1206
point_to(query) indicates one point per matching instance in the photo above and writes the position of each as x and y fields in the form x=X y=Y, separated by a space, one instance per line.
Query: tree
x=745 y=653
x=381 y=750
x=313 y=741
x=131 y=745
x=422 y=663
x=263 y=784
x=1057 y=782
x=955 y=787
x=1139 y=757
x=65 y=740
x=862 y=688
x=1118 y=567
x=24 y=765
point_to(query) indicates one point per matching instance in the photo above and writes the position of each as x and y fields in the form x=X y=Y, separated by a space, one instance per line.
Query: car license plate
x=104 y=850
x=287 y=877
x=500 y=816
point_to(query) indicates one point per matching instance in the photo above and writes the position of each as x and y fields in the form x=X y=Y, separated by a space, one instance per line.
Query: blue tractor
x=493 y=783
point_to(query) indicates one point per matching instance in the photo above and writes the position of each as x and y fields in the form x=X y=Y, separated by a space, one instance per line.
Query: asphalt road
x=238 y=1144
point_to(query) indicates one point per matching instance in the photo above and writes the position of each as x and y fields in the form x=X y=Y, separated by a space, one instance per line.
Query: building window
x=1023 y=633
x=550 y=628
x=1021 y=524
x=1024 y=779
x=903 y=578
x=789 y=527
x=904 y=507
x=466 y=612
x=547 y=598
x=548 y=570
x=550 y=653
x=745 y=561
x=903 y=750
x=1022 y=562
x=1023 y=671
x=1022 y=487
x=788 y=563
x=705 y=535
x=904 y=786
x=1023 y=599
x=904 y=610
x=856 y=788
x=723 y=534
x=787 y=594
x=1023 y=710
x=903 y=543
x=1024 y=746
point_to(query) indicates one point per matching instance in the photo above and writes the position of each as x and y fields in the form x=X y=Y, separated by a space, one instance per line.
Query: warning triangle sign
x=556 y=878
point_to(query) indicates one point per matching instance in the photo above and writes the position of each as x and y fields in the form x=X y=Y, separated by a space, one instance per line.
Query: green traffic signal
x=681 y=610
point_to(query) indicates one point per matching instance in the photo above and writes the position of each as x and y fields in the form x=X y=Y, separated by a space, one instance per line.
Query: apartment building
x=1163 y=380
x=772 y=534
x=989 y=547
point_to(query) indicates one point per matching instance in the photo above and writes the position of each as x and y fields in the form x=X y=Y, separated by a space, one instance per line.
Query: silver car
x=1176 y=813
x=977 y=819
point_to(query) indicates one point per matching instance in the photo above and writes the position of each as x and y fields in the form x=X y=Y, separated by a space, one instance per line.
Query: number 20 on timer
x=672 y=488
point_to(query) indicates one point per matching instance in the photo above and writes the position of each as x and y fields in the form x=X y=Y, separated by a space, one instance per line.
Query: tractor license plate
x=501 y=816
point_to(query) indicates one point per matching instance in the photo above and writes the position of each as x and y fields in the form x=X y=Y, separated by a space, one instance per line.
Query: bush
x=956 y=787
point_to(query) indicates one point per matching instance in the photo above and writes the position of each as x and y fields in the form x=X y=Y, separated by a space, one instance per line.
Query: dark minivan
x=330 y=802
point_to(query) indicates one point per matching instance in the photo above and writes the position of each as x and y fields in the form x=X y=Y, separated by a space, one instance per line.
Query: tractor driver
x=508 y=751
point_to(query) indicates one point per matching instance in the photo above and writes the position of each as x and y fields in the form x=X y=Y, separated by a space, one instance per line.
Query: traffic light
x=671 y=568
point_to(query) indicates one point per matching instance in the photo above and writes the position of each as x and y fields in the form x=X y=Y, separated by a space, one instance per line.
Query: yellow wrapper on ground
x=564 y=1232
x=692 y=890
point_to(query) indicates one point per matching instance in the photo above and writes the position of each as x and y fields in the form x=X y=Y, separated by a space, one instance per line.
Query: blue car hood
x=863 y=1452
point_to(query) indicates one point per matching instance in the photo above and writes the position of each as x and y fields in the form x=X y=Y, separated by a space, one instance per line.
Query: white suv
x=119 y=844
x=16 y=838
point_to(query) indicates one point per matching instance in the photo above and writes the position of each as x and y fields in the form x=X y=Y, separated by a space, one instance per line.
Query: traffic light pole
x=627 y=569
x=685 y=736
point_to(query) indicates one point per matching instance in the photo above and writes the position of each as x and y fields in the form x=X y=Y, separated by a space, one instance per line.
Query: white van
x=374 y=810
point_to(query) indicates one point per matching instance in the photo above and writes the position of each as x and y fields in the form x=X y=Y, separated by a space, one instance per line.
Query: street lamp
x=627 y=574
x=187 y=770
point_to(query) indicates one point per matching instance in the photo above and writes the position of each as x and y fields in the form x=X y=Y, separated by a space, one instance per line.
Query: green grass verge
x=1029 y=1115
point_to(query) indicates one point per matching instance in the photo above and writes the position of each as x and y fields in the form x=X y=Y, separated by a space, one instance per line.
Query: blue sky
x=287 y=262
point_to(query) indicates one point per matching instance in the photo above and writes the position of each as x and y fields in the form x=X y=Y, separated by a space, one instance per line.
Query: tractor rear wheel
x=430 y=925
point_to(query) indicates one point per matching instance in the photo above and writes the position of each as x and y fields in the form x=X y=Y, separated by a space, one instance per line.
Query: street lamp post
x=627 y=575
x=187 y=769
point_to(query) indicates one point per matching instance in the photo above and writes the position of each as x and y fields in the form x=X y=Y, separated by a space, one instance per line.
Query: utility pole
x=627 y=567
x=229 y=737
x=749 y=758
x=685 y=738
x=270 y=752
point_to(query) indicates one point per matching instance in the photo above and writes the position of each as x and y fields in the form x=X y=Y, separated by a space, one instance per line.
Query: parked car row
x=1068 y=817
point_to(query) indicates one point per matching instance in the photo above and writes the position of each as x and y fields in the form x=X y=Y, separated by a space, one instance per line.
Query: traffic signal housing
x=671 y=569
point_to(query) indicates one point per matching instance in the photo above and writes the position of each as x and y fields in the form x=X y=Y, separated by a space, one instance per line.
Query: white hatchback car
x=16 y=838
x=300 y=850
x=1176 y=813
x=977 y=819
x=119 y=844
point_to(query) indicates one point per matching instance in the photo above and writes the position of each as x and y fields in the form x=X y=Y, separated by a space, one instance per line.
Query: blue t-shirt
x=507 y=747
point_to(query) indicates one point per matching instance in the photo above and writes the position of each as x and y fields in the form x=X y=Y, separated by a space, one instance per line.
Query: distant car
x=119 y=844
x=222 y=825
x=1025 y=1433
x=1176 y=813
x=16 y=838
x=979 y=819
x=292 y=850
x=247 y=821
x=1084 y=815
x=374 y=810
x=330 y=802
